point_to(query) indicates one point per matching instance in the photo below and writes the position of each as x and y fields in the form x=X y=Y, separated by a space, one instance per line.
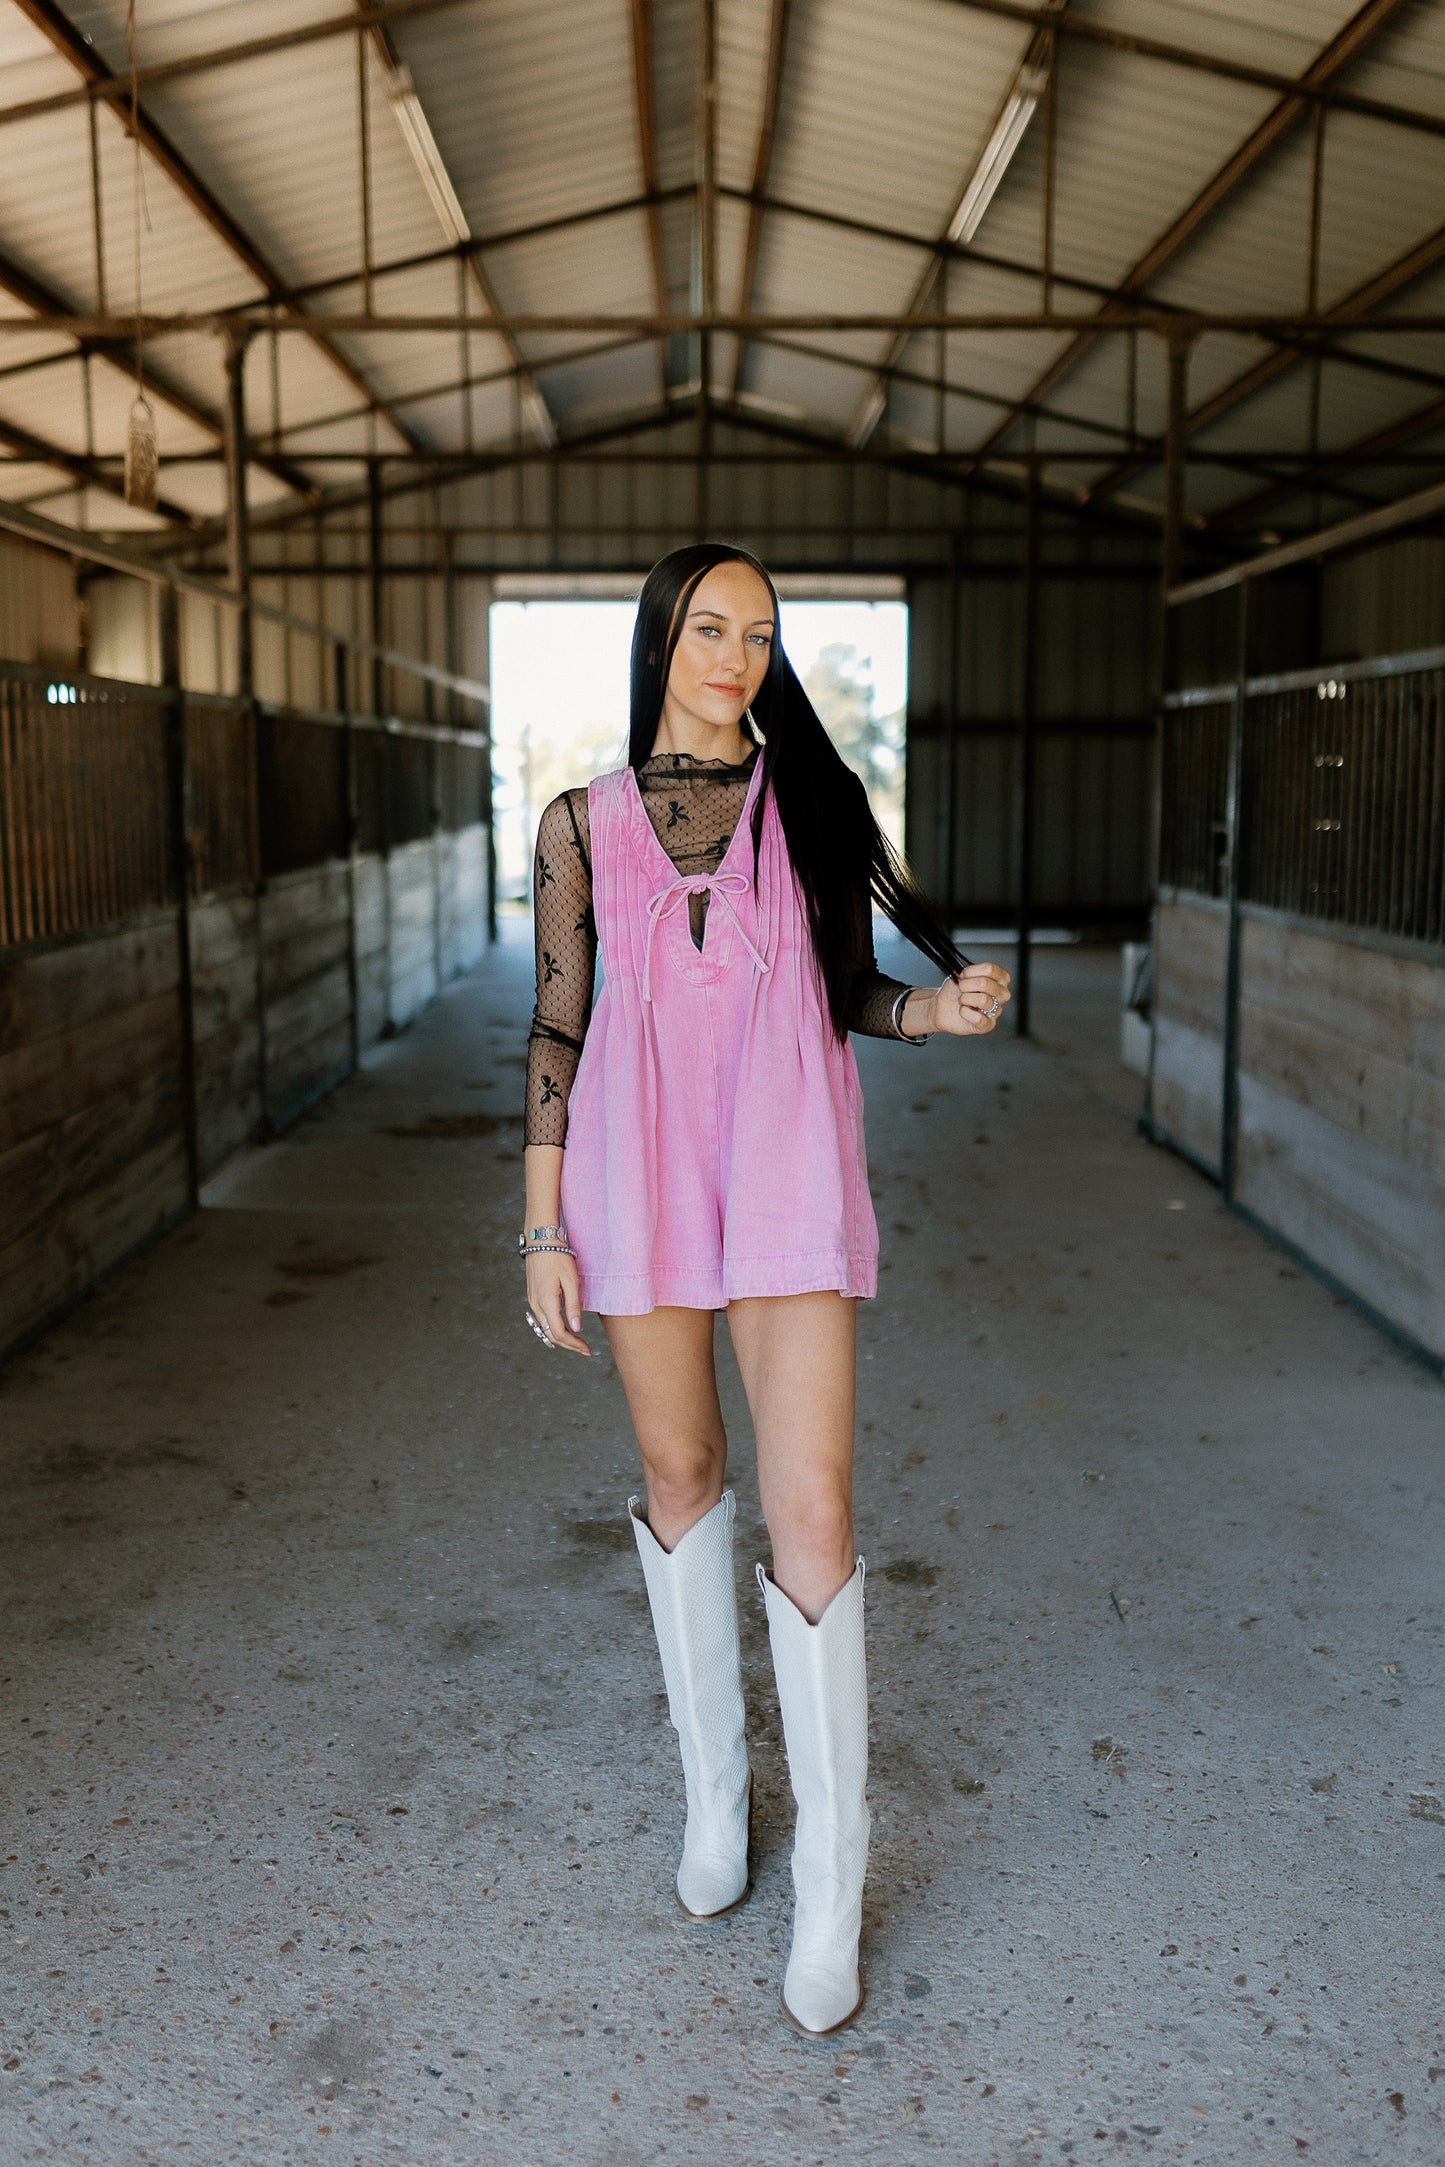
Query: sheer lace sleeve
x=873 y=997
x=566 y=938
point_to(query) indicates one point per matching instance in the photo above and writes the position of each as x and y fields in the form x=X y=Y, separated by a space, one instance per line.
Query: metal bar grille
x=84 y=836
x=1193 y=797
x=1344 y=803
x=221 y=845
x=1342 y=807
x=82 y=806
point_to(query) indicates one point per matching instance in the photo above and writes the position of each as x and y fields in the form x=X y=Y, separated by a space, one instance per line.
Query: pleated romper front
x=715 y=1127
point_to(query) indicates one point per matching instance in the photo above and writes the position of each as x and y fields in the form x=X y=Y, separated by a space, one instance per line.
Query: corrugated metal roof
x=885 y=107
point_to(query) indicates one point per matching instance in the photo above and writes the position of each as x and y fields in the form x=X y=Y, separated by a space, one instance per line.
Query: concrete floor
x=328 y=1667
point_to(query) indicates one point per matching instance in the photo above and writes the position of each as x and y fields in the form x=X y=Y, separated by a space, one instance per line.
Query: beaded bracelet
x=547 y=1249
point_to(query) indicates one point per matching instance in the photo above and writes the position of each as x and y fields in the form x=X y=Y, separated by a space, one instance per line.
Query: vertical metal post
x=946 y=759
x=238 y=566
x=1235 y=815
x=238 y=515
x=375 y=575
x=1176 y=449
x=178 y=839
x=375 y=546
x=451 y=647
x=705 y=246
x=1026 y=779
x=341 y=699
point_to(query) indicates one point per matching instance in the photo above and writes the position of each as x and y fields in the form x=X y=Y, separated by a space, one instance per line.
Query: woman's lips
x=735 y=690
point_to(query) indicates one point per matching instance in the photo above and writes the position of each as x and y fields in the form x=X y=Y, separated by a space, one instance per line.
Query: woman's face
x=723 y=648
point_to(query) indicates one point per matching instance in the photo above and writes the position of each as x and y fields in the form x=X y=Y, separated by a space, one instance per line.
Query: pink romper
x=715 y=1128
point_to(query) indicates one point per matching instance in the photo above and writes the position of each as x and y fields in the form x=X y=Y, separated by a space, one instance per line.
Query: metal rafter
x=49 y=19
x=221 y=56
x=1091 y=30
x=762 y=167
x=645 y=104
x=1365 y=25
x=1082 y=28
x=1287 y=326
x=24 y=287
x=1037 y=54
x=1322 y=471
x=82 y=469
x=1348 y=313
x=540 y=414
x=1069 y=281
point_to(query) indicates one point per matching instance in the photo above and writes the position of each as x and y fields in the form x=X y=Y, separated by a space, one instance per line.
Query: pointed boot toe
x=819 y=2000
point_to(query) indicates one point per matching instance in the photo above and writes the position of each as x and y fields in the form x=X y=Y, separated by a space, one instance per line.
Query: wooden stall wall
x=174 y=988
x=1342 y=1110
x=1186 y=1080
x=92 y=1136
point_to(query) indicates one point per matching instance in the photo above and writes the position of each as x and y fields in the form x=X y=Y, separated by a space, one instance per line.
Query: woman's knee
x=684 y=1474
x=817 y=1522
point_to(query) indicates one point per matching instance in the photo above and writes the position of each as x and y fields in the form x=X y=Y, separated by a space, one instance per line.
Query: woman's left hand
x=971 y=1003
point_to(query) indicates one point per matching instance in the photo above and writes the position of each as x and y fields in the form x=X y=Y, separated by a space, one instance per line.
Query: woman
x=696 y=1144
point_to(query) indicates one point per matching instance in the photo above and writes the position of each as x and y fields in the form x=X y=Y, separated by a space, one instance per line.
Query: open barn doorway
x=559 y=653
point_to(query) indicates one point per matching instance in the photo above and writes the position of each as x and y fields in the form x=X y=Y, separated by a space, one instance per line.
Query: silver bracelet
x=540 y=1234
x=547 y=1249
x=908 y=1037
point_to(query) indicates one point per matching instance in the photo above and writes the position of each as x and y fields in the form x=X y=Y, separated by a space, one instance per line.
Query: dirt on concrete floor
x=328 y=1668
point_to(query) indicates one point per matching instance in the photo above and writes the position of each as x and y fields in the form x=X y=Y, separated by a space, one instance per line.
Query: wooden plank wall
x=92 y=1142
x=1342 y=1110
x=93 y=1159
x=1191 y=937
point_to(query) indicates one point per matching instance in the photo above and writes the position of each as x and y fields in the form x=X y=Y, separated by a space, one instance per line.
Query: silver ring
x=993 y=1006
x=545 y=1337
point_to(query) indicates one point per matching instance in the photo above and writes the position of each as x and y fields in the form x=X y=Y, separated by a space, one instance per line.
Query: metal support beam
x=378 y=36
x=1176 y=452
x=1095 y=30
x=1026 y=778
x=376 y=589
x=178 y=839
x=645 y=103
x=1235 y=812
x=762 y=167
x=1350 y=314
x=1365 y=25
x=1348 y=534
x=982 y=177
x=110 y=88
x=1295 y=326
x=947 y=756
x=78 y=50
x=238 y=515
x=704 y=275
x=1365 y=451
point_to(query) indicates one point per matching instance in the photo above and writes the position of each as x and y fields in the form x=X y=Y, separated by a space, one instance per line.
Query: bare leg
x=797 y=1353
x=665 y=1360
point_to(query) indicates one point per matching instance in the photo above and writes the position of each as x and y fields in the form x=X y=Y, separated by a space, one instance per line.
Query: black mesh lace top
x=694 y=807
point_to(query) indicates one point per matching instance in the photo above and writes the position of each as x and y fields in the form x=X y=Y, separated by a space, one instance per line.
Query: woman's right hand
x=554 y=1298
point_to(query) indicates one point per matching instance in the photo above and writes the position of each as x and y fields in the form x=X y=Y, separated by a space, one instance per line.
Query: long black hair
x=840 y=855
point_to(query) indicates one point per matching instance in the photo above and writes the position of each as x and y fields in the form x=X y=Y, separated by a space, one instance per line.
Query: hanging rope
x=142 y=457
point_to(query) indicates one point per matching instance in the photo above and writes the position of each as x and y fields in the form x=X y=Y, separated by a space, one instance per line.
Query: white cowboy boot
x=695 y=1615
x=823 y=1692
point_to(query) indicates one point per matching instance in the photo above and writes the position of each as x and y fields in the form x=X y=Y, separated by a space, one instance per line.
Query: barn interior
x=1107 y=335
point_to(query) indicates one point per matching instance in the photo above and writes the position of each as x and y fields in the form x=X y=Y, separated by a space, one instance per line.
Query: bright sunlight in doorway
x=559 y=703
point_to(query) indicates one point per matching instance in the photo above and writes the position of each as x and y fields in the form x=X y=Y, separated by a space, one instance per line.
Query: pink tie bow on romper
x=692 y=884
